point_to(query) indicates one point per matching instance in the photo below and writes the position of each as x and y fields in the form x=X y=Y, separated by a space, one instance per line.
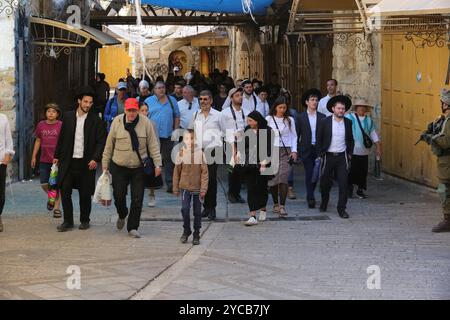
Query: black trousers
x=234 y=183
x=335 y=165
x=308 y=164
x=211 y=194
x=358 y=171
x=121 y=178
x=76 y=177
x=166 y=152
x=2 y=187
x=257 y=192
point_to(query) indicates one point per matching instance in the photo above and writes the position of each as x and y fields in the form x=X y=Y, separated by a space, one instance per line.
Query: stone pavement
x=309 y=256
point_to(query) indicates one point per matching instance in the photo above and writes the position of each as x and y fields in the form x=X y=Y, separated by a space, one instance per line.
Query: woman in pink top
x=47 y=134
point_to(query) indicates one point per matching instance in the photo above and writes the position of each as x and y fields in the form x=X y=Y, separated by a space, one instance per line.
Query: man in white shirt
x=335 y=145
x=79 y=149
x=332 y=90
x=206 y=124
x=263 y=105
x=249 y=98
x=233 y=121
x=188 y=106
x=307 y=125
x=6 y=155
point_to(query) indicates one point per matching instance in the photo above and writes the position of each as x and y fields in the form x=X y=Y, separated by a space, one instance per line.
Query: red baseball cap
x=131 y=103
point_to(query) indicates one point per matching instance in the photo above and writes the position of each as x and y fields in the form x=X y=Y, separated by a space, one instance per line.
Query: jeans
x=308 y=164
x=2 y=186
x=121 y=178
x=185 y=211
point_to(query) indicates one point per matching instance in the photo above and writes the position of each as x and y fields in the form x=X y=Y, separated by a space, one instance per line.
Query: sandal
x=276 y=209
x=283 y=213
x=57 y=213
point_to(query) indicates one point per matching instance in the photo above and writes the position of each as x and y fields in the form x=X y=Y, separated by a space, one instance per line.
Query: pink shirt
x=49 y=134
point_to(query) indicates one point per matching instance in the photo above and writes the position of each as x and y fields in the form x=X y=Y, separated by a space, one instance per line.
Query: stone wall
x=358 y=75
x=7 y=74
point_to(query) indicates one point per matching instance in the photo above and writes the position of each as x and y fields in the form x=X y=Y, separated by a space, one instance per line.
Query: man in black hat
x=307 y=125
x=80 y=147
x=335 y=146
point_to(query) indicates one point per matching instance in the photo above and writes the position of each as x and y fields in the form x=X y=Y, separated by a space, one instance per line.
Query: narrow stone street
x=308 y=256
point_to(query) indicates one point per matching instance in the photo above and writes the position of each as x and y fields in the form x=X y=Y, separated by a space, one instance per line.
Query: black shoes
x=239 y=199
x=232 y=199
x=84 y=226
x=169 y=189
x=311 y=204
x=63 y=227
x=360 y=194
x=212 y=214
x=184 y=237
x=196 y=240
x=443 y=226
x=205 y=213
x=343 y=214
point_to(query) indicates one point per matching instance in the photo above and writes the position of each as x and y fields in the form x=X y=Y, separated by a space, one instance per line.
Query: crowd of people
x=185 y=130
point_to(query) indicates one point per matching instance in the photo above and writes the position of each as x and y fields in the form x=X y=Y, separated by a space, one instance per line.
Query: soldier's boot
x=443 y=226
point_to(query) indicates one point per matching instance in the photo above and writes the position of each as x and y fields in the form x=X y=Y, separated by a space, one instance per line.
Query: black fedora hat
x=85 y=91
x=339 y=99
x=310 y=92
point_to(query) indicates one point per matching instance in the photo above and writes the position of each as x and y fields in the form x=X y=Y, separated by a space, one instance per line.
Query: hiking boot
x=251 y=221
x=120 y=223
x=360 y=194
x=443 y=226
x=184 y=237
x=134 y=234
x=63 y=227
x=291 y=193
x=1 y=225
x=84 y=226
x=196 y=240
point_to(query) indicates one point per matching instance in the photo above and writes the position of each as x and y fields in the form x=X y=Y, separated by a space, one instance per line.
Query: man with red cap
x=131 y=146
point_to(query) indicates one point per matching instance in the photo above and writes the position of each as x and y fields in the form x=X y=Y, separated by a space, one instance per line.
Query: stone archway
x=178 y=58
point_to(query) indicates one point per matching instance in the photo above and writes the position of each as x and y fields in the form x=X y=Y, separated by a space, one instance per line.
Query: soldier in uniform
x=438 y=137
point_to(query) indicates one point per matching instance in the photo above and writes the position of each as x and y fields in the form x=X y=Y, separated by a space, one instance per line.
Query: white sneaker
x=134 y=234
x=262 y=215
x=151 y=201
x=251 y=221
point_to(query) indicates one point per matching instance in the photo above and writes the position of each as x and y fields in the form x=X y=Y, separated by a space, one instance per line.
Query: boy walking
x=190 y=178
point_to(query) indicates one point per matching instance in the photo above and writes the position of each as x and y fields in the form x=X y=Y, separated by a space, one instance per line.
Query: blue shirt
x=162 y=115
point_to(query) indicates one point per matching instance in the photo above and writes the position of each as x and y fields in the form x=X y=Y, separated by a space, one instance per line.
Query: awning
x=410 y=7
x=55 y=33
x=259 y=7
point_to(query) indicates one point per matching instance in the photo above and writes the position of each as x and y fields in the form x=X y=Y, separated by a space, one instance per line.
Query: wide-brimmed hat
x=234 y=90
x=339 y=99
x=85 y=91
x=361 y=102
x=311 y=92
x=445 y=96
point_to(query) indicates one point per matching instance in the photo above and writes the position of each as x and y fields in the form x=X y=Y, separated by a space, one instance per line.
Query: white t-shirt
x=323 y=105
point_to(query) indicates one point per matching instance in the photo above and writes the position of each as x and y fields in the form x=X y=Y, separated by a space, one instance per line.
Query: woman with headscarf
x=258 y=144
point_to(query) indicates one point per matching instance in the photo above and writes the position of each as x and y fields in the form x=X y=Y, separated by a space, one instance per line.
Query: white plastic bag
x=103 y=190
